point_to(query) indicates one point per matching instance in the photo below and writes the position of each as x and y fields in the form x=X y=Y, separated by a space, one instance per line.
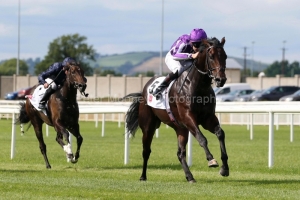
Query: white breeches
x=174 y=65
x=52 y=83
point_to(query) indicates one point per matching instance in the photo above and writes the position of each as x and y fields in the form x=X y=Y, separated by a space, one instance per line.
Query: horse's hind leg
x=148 y=123
x=37 y=124
x=182 y=137
x=214 y=127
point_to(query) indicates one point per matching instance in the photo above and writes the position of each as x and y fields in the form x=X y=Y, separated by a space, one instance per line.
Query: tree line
x=75 y=46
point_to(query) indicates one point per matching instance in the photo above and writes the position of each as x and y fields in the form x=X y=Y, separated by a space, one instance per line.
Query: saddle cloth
x=151 y=100
x=36 y=97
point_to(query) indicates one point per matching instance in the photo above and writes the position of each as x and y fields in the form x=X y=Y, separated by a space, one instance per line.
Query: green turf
x=101 y=174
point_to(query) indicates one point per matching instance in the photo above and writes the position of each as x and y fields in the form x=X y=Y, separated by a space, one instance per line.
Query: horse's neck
x=199 y=80
x=68 y=91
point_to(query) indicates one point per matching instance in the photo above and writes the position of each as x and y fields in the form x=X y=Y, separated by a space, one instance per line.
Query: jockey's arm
x=180 y=54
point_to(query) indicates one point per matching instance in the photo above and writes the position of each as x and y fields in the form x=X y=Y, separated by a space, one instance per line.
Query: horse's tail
x=132 y=114
x=23 y=116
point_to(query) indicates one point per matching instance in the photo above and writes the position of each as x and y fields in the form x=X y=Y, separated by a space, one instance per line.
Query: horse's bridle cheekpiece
x=207 y=63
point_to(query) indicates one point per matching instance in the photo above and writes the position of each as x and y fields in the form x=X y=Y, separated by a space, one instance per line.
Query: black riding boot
x=46 y=96
x=169 y=78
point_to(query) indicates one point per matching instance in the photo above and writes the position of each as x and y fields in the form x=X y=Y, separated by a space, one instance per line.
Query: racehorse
x=192 y=103
x=62 y=113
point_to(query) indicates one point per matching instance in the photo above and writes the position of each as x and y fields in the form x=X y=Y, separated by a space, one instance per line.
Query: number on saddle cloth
x=155 y=84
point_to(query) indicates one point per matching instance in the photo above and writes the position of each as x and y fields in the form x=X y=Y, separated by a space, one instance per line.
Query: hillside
x=138 y=62
x=257 y=66
x=123 y=63
x=135 y=62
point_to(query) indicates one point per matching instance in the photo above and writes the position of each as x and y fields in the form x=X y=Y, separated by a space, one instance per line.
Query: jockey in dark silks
x=53 y=77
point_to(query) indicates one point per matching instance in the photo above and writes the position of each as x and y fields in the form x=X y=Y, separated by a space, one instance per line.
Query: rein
x=209 y=72
x=201 y=72
x=55 y=78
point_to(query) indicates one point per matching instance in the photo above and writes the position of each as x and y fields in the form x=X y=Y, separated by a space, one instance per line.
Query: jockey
x=53 y=77
x=186 y=47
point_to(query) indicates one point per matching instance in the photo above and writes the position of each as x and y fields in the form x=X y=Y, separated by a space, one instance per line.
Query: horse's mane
x=212 y=41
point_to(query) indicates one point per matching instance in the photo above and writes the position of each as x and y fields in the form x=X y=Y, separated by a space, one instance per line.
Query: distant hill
x=257 y=66
x=123 y=63
x=132 y=63
x=135 y=62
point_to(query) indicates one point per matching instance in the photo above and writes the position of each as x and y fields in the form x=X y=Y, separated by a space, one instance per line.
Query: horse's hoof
x=192 y=181
x=74 y=161
x=143 y=179
x=70 y=156
x=213 y=163
x=224 y=172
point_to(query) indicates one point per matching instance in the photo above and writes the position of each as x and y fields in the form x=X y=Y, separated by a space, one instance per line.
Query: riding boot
x=169 y=78
x=44 y=99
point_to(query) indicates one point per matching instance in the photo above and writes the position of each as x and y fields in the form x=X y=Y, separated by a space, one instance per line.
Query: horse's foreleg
x=212 y=124
x=75 y=131
x=181 y=154
x=61 y=134
x=194 y=129
x=224 y=171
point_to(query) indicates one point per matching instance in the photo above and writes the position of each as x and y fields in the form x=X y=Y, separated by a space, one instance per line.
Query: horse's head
x=75 y=76
x=215 y=60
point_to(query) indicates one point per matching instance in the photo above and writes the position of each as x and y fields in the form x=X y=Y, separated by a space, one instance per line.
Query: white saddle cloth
x=151 y=101
x=36 y=97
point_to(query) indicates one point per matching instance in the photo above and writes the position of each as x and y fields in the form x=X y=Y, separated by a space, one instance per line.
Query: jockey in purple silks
x=184 y=48
x=53 y=77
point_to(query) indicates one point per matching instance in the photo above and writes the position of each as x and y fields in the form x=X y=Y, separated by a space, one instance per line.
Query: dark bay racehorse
x=62 y=113
x=192 y=102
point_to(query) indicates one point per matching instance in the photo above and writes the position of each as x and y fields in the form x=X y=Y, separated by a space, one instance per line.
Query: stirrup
x=157 y=92
x=42 y=106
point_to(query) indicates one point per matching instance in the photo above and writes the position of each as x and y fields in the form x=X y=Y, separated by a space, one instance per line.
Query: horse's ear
x=223 y=41
x=206 y=43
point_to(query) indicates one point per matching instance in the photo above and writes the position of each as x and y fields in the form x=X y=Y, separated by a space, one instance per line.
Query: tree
x=273 y=69
x=9 y=67
x=109 y=71
x=147 y=73
x=293 y=69
x=290 y=69
x=68 y=46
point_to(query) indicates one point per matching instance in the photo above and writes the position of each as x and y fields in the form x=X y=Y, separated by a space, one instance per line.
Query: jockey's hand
x=46 y=85
x=194 y=55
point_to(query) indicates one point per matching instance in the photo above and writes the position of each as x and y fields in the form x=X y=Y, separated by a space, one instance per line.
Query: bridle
x=207 y=63
x=77 y=85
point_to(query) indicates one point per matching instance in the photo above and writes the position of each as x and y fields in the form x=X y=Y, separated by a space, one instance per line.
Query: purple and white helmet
x=197 y=35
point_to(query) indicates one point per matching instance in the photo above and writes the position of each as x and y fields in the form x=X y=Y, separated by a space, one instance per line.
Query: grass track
x=101 y=174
